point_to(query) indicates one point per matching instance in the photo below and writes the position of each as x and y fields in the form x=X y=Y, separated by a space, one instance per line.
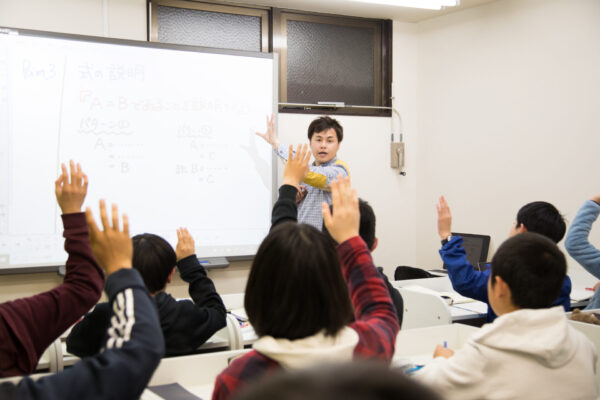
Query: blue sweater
x=132 y=352
x=471 y=283
x=579 y=247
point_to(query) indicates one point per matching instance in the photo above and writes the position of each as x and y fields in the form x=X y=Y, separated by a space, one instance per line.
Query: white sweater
x=525 y=354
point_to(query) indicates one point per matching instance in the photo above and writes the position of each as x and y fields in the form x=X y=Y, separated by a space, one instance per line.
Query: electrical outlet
x=397 y=155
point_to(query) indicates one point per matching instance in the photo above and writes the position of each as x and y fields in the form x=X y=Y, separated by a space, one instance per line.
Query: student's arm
x=37 y=321
x=134 y=343
x=88 y=335
x=296 y=168
x=457 y=377
x=577 y=243
x=133 y=350
x=208 y=311
x=375 y=317
x=465 y=280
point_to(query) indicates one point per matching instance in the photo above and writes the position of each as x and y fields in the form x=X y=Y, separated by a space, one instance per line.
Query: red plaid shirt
x=375 y=322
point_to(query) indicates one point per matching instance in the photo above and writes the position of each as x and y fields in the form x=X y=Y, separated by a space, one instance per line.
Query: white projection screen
x=166 y=132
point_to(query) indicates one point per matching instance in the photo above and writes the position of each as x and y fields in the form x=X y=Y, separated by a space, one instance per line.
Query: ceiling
x=353 y=8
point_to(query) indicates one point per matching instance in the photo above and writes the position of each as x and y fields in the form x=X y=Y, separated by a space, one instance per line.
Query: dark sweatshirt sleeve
x=133 y=350
x=38 y=320
x=88 y=335
x=208 y=311
x=285 y=208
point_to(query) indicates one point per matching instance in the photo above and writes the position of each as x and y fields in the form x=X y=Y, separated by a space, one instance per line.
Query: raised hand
x=270 y=135
x=596 y=198
x=70 y=194
x=344 y=223
x=112 y=247
x=296 y=168
x=185 y=244
x=444 y=218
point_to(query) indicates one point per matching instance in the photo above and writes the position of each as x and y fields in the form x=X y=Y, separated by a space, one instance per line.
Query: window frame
x=381 y=94
x=261 y=12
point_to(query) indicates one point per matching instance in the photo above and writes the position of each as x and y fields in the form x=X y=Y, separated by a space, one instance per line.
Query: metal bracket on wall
x=397 y=156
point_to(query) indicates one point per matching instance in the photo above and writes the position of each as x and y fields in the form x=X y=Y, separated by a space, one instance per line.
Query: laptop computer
x=476 y=247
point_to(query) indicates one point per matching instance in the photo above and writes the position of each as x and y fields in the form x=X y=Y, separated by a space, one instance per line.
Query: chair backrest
x=403 y=272
x=52 y=358
x=234 y=332
x=423 y=309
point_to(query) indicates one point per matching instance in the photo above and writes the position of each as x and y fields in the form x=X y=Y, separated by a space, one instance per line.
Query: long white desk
x=477 y=309
x=459 y=312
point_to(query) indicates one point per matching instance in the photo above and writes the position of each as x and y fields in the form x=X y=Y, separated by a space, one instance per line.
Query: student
x=186 y=324
x=530 y=351
x=29 y=325
x=325 y=135
x=300 y=300
x=579 y=247
x=356 y=381
x=134 y=345
x=367 y=233
x=539 y=217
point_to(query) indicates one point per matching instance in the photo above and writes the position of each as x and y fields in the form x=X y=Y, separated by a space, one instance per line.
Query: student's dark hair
x=533 y=267
x=324 y=123
x=357 y=380
x=154 y=257
x=366 y=228
x=295 y=287
x=543 y=218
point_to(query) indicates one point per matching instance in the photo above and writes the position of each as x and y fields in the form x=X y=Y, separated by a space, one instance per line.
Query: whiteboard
x=166 y=132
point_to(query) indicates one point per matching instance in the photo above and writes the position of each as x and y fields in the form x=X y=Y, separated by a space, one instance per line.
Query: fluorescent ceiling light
x=428 y=4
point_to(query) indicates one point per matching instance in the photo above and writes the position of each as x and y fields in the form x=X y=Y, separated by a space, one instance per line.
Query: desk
x=196 y=373
x=416 y=345
x=463 y=312
x=478 y=309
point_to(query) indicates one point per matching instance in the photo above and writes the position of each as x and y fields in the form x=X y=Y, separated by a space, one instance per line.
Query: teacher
x=325 y=135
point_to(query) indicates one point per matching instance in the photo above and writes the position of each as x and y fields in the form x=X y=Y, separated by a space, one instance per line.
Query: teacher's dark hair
x=324 y=123
x=295 y=287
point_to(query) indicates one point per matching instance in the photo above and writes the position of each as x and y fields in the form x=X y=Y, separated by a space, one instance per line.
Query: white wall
x=365 y=147
x=498 y=105
x=126 y=19
x=508 y=100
